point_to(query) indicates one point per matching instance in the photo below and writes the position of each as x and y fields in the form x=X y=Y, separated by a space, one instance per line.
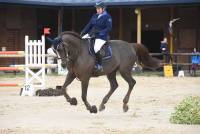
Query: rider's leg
x=97 y=46
x=99 y=58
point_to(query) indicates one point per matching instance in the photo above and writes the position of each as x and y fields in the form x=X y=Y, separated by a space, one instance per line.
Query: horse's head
x=59 y=50
x=67 y=46
x=62 y=54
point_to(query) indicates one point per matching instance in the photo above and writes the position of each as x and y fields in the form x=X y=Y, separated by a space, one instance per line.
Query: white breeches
x=98 y=42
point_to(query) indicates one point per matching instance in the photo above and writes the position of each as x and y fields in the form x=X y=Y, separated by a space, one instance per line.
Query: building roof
x=91 y=2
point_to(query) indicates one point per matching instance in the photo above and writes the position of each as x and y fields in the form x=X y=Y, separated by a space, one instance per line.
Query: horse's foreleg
x=131 y=82
x=70 y=77
x=84 y=85
x=113 y=85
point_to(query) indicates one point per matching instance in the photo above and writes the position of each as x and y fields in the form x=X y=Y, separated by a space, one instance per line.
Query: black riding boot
x=99 y=60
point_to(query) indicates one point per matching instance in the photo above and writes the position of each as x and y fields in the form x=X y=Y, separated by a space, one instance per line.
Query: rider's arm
x=88 y=27
x=108 y=26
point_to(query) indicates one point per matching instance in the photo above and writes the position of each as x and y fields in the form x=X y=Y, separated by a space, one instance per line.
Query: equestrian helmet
x=100 y=3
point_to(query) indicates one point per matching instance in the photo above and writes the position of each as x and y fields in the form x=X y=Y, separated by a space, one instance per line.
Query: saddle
x=106 y=51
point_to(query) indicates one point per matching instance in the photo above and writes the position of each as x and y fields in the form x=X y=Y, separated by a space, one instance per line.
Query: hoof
x=101 y=107
x=73 y=101
x=93 y=109
x=125 y=108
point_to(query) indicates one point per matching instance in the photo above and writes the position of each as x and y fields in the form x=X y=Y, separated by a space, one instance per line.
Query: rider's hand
x=92 y=35
x=81 y=34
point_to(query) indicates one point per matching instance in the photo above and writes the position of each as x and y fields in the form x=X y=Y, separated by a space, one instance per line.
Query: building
x=29 y=17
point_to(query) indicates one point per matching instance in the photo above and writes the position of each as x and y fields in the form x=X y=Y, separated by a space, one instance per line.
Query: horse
x=74 y=54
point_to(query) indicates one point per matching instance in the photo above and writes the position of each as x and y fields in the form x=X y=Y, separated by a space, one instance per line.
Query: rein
x=65 y=54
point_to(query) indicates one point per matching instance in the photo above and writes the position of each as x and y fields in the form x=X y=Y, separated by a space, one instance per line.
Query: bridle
x=65 y=56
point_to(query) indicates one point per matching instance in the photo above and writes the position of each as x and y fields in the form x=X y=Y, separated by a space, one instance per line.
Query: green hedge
x=187 y=112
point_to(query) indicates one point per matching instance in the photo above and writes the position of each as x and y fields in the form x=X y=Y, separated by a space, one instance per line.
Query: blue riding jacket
x=99 y=25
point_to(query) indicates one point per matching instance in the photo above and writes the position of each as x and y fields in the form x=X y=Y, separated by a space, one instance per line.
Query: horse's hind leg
x=70 y=77
x=131 y=82
x=113 y=85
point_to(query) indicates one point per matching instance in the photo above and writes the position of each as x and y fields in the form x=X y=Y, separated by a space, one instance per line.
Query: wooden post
x=73 y=19
x=171 y=35
x=120 y=24
x=60 y=20
x=139 y=25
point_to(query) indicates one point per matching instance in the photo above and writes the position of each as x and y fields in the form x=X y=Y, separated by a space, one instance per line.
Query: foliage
x=187 y=112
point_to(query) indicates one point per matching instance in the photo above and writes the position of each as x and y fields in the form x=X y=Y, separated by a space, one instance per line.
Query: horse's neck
x=79 y=52
x=82 y=45
x=78 y=44
x=79 y=48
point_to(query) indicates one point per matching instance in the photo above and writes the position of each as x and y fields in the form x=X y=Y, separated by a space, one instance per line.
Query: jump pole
x=11 y=68
x=34 y=59
x=11 y=52
x=9 y=85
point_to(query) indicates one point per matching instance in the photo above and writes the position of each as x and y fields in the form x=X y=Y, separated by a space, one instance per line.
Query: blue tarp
x=108 y=2
x=195 y=59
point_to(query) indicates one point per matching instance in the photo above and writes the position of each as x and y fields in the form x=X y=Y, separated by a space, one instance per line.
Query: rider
x=98 y=27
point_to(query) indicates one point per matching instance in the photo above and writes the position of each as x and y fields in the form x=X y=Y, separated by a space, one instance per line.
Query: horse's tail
x=144 y=58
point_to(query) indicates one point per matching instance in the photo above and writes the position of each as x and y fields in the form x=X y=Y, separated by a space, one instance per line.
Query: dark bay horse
x=74 y=55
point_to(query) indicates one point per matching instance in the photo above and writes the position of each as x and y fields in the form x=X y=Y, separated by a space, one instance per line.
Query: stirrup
x=99 y=67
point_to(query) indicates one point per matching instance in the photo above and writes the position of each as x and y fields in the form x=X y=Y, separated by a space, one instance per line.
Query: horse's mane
x=71 y=33
x=74 y=51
